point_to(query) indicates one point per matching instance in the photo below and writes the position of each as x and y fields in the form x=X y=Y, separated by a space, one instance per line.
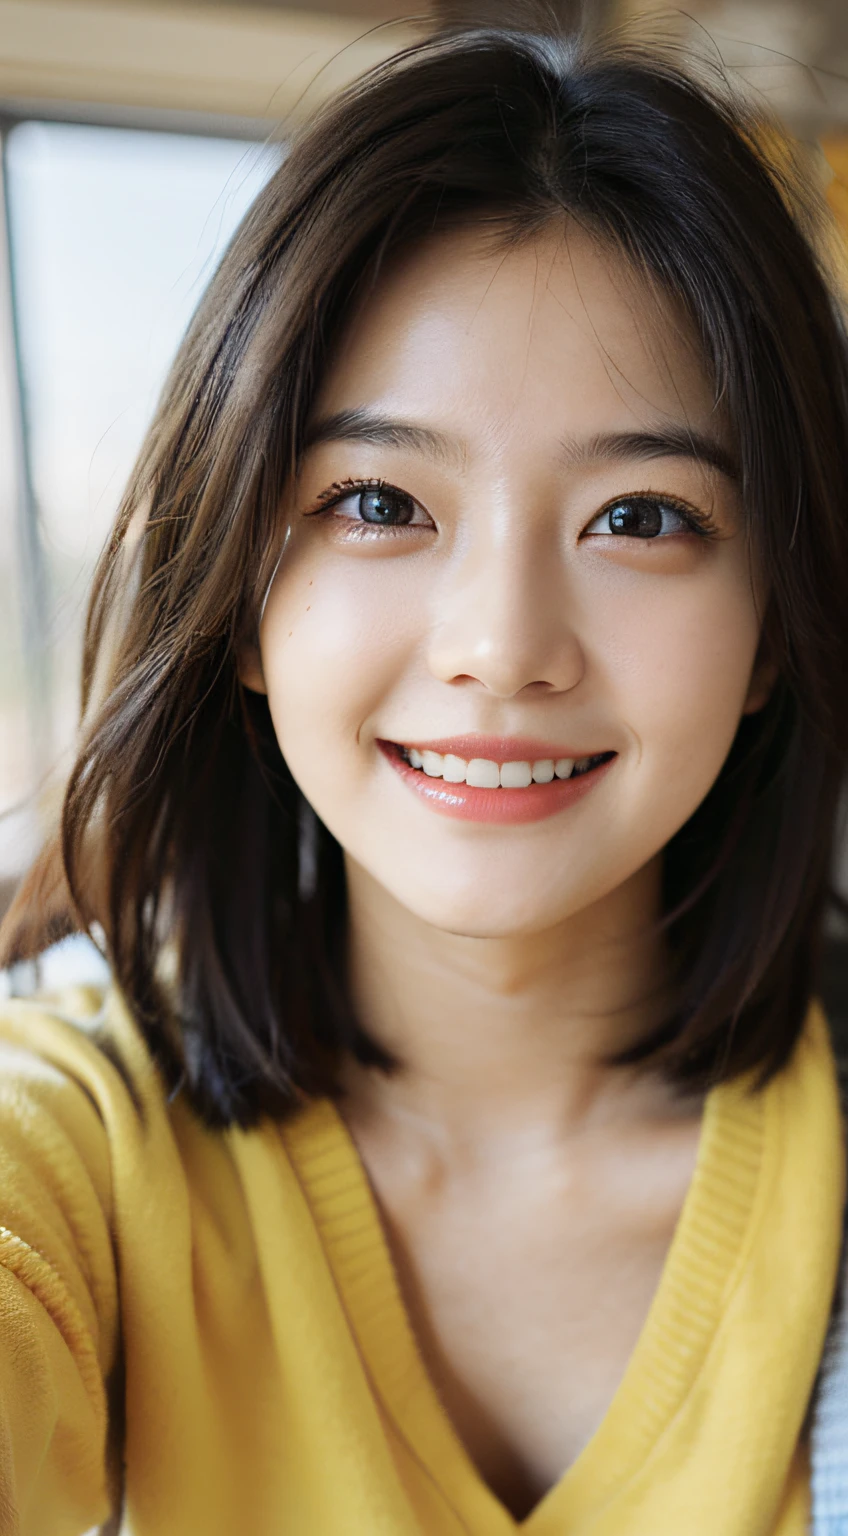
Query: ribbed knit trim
x=708 y=1247
x=345 y=1213
x=707 y=1250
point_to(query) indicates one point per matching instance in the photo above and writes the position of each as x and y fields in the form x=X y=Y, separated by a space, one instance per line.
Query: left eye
x=640 y=517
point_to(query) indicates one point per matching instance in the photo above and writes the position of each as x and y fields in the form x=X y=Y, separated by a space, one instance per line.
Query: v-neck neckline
x=674 y=1340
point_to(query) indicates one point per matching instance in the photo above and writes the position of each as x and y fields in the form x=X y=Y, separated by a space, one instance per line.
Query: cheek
x=682 y=664
x=335 y=640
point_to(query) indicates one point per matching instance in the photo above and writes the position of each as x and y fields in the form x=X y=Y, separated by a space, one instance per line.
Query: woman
x=458 y=1148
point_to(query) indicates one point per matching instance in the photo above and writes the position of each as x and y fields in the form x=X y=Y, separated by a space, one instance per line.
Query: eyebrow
x=672 y=442
x=362 y=426
x=675 y=442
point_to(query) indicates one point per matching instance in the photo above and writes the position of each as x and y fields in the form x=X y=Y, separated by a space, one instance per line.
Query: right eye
x=374 y=504
x=385 y=505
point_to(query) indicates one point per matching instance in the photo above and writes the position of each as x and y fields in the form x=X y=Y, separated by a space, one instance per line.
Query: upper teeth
x=483 y=773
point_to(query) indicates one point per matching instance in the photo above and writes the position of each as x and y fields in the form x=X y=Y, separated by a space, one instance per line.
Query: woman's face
x=516 y=543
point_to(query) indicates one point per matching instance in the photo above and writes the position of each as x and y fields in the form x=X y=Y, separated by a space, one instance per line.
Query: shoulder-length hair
x=183 y=834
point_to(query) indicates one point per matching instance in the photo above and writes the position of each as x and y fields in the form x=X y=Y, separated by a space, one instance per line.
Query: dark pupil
x=385 y=506
x=641 y=519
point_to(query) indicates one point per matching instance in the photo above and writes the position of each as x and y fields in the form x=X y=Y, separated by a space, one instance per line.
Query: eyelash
x=700 y=522
x=340 y=489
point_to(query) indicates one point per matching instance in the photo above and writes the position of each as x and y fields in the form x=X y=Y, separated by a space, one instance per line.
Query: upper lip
x=502 y=749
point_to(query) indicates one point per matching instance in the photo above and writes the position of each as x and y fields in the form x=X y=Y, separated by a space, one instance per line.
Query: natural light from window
x=114 y=234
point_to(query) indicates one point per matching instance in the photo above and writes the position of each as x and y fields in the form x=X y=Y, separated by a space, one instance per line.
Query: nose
x=502 y=618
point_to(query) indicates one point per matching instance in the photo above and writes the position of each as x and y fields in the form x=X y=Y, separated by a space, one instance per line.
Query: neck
x=507 y=1035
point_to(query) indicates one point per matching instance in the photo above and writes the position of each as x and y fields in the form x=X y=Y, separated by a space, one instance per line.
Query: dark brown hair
x=183 y=834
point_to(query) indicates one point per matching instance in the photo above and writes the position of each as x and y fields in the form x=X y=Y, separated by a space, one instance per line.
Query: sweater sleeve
x=58 y=1287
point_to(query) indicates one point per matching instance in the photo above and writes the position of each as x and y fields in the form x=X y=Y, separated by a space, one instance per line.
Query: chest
x=527 y=1299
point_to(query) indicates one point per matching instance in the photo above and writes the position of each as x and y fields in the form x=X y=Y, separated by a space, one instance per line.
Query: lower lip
x=506 y=806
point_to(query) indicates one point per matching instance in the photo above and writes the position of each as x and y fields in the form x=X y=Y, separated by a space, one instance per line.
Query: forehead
x=556 y=332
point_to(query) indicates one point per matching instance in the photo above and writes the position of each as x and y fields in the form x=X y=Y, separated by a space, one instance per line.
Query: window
x=112 y=235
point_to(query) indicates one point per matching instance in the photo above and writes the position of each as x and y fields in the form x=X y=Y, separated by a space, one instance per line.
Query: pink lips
x=505 y=806
x=500 y=749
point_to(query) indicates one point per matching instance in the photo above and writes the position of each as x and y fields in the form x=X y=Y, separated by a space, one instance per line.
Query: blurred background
x=133 y=135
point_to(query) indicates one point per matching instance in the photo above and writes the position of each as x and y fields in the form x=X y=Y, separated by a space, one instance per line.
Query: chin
x=478 y=913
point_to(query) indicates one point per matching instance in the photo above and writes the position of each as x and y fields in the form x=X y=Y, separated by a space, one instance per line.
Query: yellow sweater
x=270 y=1378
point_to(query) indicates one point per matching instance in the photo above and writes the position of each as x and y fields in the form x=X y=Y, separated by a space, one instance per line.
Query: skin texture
x=529 y=1191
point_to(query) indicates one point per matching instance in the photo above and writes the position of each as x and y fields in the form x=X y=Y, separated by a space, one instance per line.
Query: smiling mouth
x=486 y=773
